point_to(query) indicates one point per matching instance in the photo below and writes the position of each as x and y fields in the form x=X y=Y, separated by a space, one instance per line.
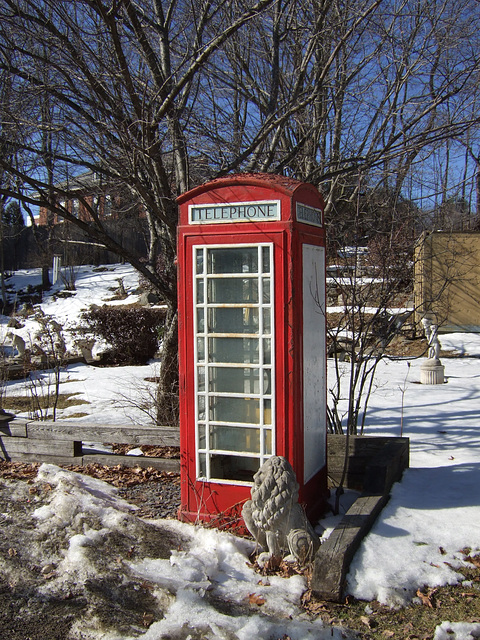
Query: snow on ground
x=113 y=393
x=85 y=544
x=93 y=286
x=433 y=514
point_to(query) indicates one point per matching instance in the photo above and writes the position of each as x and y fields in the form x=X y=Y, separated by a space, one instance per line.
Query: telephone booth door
x=234 y=376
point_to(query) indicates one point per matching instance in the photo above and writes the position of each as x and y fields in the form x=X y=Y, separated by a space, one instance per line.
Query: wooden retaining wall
x=63 y=443
x=373 y=465
x=362 y=452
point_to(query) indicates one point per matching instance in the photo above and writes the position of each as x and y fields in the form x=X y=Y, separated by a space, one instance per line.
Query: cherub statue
x=431 y=334
x=274 y=517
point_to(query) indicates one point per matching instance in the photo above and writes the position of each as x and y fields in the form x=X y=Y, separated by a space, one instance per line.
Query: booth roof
x=280 y=183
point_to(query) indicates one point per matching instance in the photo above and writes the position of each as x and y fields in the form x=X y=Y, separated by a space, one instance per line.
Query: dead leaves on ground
x=428 y=598
x=276 y=566
x=253 y=598
x=147 y=619
x=151 y=451
x=121 y=476
x=118 y=475
x=18 y=470
x=475 y=560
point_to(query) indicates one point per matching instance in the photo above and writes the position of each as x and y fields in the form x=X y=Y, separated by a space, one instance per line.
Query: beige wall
x=447 y=279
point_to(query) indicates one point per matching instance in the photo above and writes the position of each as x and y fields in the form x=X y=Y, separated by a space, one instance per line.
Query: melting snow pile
x=125 y=578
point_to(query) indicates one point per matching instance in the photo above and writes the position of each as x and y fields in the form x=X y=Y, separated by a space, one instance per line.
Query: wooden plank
x=360 y=445
x=121 y=434
x=11 y=445
x=163 y=464
x=14 y=371
x=17 y=428
x=362 y=452
x=386 y=468
x=47 y=459
x=387 y=459
x=334 y=556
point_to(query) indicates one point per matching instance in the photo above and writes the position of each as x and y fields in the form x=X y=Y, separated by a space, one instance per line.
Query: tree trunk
x=46 y=284
x=167 y=391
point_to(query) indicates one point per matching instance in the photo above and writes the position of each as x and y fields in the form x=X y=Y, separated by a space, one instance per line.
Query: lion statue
x=274 y=517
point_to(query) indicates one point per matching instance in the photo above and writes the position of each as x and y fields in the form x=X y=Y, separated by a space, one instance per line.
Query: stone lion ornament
x=274 y=517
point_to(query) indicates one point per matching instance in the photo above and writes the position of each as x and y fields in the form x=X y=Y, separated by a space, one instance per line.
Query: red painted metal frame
x=207 y=500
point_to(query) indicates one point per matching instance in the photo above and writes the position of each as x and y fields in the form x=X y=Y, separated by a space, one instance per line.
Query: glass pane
x=200 y=350
x=228 y=409
x=267 y=325
x=235 y=439
x=233 y=320
x=267 y=412
x=202 y=472
x=200 y=297
x=200 y=321
x=199 y=260
x=202 y=440
x=233 y=468
x=230 y=380
x=201 y=379
x=233 y=260
x=267 y=381
x=266 y=259
x=267 y=351
x=267 y=435
x=229 y=301
x=232 y=290
x=201 y=407
x=230 y=350
x=266 y=290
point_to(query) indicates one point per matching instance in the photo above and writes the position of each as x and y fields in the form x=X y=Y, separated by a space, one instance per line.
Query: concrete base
x=432 y=371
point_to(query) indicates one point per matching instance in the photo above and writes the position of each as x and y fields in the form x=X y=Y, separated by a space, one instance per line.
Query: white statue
x=274 y=517
x=86 y=347
x=17 y=342
x=431 y=331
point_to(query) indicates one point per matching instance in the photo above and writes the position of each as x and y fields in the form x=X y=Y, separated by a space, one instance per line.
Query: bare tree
x=394 y=82
x=383 y=284
x=370 y=293
x=6 y=152
x=151 y=95
x=119 y=83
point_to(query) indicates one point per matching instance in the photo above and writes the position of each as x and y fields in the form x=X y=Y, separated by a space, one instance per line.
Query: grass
x=373 y=621
x=18 y=404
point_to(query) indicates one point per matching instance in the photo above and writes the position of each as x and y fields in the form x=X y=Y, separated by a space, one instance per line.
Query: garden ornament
x=274 y=517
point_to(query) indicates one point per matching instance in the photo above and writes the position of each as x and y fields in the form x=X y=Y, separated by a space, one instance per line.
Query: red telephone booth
x=252 y=352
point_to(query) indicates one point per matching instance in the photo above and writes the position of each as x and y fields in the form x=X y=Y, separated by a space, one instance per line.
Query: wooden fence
x=64 y=443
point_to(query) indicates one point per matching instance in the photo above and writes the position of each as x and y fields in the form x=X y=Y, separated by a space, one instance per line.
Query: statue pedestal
x=432 y=371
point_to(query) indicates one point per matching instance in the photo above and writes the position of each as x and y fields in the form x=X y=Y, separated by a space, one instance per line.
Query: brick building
x=88 y=194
